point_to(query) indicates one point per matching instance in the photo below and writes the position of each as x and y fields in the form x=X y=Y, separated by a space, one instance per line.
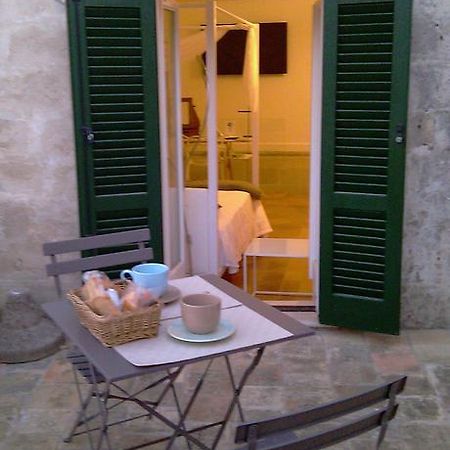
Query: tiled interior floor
x=38 y=399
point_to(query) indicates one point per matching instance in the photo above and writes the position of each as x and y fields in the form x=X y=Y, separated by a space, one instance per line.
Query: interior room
x=280 y=131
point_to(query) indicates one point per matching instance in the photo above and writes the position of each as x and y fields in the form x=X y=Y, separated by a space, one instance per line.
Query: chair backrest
x=254 y=432
x=118 y=256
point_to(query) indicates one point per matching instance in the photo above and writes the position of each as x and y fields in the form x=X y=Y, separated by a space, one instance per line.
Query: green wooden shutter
x=366 y=70
x=115 y=95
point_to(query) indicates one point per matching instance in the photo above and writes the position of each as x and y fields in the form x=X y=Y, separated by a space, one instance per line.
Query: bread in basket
x=116 y=330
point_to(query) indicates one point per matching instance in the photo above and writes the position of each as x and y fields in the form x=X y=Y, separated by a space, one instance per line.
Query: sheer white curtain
x=194 y=45
x=251 y=79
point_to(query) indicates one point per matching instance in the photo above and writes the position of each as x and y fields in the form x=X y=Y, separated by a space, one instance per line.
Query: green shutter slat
x=95 y=51
x=365 y=28
x=361 y=169
x=364 y=9
x=365 y=76
x=120 y=143
x=362 y=115
x=357 y=257
x=117 y=89
x=115 y=70
x=361 y=151
x=367 y=133
x=125 y=169
x=365 y=38
x=105 y=11
x=360 y=219
x=113 y=61
x=359 y=274
x=349 y=264
x=354 y=230
x=102 y=136
x=365 y=48
x=123 y=117
x=120 y=180
x=369 y=294
x=362 y=283
x=123 y=41
x=361 y=249
x=374 y=105
x=115 y=190
x=358 y=188
x=122 y=125
x=361 y=161
x=126 y=161
x=135 y=152
x=373 y=67
x=98 y=99
x=344 y=175
x=375 y=17
x=344 y=57
x=117 y=108
x=363 y=96
x=116 y=80
x=362 y=240
x=364 y=86
x=111 y=22
x=362 y=123
x=116 y=32
x=362 y=142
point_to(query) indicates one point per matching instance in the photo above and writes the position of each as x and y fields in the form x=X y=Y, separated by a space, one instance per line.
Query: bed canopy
x=205 y=38
x=194 y=45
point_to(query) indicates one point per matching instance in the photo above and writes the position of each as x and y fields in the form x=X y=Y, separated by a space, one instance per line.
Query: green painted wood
x=115 y=92
x=365 y=99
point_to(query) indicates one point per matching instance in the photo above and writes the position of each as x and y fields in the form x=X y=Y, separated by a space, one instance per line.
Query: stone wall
x=38 y=200
x=426 y=244
x=37 y=166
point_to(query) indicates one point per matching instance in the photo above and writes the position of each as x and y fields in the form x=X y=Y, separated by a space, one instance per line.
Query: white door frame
x=315 y=149
x=179 y=269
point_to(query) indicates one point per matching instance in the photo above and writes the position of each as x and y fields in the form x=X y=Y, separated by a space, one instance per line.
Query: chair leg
x=81 y=415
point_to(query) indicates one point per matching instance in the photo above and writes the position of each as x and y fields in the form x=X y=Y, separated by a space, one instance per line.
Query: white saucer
x=177 y=330
x=172 y=293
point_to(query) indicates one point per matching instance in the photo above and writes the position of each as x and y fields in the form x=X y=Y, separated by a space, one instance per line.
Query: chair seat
x=81 y=364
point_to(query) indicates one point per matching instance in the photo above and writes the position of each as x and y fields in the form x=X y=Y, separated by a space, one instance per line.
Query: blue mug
x=152 y=276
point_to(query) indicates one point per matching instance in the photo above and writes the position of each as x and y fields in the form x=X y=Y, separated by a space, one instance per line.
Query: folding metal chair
x=111 y=250
x=277 y=433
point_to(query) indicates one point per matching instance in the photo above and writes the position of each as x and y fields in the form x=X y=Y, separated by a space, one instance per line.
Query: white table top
x=114 y=367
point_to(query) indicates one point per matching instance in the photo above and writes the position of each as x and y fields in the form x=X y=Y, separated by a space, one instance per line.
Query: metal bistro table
x=257 y=325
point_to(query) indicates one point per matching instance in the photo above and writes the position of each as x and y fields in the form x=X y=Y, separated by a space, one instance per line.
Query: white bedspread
x=240 y=219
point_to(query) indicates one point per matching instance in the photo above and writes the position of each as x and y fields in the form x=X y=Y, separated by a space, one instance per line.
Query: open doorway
x=284 y=126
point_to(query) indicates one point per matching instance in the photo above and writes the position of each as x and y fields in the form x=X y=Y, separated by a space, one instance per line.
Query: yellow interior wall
x=284 y=99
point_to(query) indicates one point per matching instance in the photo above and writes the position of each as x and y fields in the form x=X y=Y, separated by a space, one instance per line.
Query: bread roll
x=103 y=306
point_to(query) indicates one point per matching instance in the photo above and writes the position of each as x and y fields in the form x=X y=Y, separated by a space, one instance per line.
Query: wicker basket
x=127 y=327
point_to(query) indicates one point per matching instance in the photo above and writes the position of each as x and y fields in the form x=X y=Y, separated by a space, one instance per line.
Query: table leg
x=190 y=403
x=178 y=405
x=237 y=392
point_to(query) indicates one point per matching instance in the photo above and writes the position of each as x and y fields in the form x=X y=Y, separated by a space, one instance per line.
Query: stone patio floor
x=38 y=399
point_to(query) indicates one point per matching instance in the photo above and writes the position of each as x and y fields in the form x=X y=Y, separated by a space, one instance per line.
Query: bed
x=240 y=219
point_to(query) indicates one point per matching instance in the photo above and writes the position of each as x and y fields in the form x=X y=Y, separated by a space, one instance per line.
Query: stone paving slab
x=38 y=399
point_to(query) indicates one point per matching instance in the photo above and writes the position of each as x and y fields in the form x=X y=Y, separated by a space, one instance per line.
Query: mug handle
x=126 y=275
